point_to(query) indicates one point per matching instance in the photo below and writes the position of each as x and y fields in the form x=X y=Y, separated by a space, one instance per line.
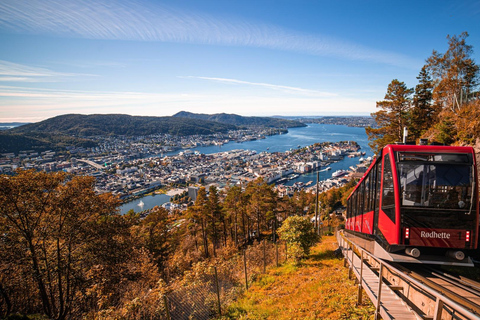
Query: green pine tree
x=393 y=116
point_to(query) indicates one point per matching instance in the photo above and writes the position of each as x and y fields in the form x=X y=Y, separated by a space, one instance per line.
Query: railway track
x=463 y=291
x=426 y=291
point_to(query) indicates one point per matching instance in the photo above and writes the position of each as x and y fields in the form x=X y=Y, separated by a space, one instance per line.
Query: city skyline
x=259 y=58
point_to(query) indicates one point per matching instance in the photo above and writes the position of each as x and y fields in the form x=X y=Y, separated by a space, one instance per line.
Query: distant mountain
x=119 y=124
x=242 y=121
x=9 y=125
x=351 y=121
x=75 y=129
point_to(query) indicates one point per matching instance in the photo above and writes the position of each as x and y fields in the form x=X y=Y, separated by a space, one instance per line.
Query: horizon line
x=353 y=114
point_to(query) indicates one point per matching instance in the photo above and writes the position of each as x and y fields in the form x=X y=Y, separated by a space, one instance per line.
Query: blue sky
x=249 y=57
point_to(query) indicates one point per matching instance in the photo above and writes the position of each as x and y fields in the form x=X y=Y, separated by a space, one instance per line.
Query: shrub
x=300 y=236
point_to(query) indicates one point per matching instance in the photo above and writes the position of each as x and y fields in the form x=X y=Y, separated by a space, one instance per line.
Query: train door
x=387 y=216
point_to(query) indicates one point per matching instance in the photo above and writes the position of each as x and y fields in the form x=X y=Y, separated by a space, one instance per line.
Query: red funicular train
x=420 y=201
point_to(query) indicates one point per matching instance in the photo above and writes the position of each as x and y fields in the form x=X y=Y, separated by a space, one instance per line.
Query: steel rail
x=443 y=290
x=467 y=284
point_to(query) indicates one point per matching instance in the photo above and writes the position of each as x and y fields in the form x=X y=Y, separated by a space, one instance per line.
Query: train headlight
x=407 y=233
x=467 y=236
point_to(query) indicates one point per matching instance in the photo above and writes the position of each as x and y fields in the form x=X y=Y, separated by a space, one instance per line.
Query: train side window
x=350 y=207
x=372 y=191
x=350 y=213
x=367 y=194
x=361 y=198
x=388 y=195
x=355 y=204
x=378 y=177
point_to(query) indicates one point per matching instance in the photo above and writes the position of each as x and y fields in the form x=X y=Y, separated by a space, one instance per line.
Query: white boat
x=361 y=159
x=141 y=204
x=339 y=173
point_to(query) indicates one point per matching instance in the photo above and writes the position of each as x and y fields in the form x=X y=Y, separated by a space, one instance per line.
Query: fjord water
x=295 y=138
x=148 y=203
x=302 y=137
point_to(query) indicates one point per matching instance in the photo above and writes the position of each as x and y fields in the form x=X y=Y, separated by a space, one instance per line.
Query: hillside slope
x=16 y=142
x=318 y=289
x=121 y=124
x=242 y=121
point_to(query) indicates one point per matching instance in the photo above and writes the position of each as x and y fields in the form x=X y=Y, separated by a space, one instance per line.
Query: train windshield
x=435 y=180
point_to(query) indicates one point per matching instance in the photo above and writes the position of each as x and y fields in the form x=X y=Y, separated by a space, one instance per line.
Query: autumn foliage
x=444 y=106
x=67 y=253
x=64 y=251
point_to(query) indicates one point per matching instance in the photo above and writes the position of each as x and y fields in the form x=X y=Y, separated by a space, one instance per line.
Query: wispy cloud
x=287 y=89
x=149 y=21
x=92 y=64
x=94 y=96
x=14 y=72
x=35 y=104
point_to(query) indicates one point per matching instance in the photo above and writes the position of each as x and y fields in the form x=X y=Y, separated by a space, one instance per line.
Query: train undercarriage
x=373 y=245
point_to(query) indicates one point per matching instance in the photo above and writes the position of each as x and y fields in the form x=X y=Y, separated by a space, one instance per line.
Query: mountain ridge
x=78 y=129
x=238 y=120
x=121 y=124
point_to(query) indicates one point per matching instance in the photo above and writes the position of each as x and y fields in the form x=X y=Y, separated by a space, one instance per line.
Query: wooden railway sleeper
x=396 y=288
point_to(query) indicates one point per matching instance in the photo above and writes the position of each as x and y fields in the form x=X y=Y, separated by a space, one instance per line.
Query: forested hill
x=121 y=124
x=75 y=129
x=15 y=142
x=242 y=121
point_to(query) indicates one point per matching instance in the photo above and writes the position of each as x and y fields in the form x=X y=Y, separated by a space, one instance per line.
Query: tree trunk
x=38 y=277
x=258 y=223
x=205 y=240
x=236 y=229
x=7 y=301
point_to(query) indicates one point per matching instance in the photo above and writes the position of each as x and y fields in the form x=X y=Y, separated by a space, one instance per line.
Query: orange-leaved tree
x=48 y=223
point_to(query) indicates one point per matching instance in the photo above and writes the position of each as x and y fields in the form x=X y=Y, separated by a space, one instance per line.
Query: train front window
x=435 y=180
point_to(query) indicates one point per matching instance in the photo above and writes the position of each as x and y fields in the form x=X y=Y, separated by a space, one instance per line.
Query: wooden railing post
x=245 y=268
x=264 y=256
x=167 y=310
x=379 y=295
x=437 y=314
x=276 y=252
x=218 y=292
x=350 y=271
x=359 y=296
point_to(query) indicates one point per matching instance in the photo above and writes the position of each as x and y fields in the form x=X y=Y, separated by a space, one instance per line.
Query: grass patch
x=318 y=288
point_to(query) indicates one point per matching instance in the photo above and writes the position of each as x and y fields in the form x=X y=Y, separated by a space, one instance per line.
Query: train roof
x=414 y=148
x=427 y=148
